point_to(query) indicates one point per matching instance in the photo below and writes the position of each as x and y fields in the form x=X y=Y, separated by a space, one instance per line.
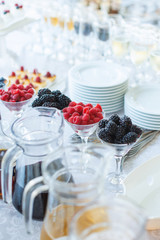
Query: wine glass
x=115 y=179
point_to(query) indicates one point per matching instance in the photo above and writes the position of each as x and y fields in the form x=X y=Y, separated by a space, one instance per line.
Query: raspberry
x=11 y=100
x=66 y=115
x=21 y=93
x=27 y=87
x=28 y=95
x=35 y=71
x=72 y=104
x=99 y=114
x=5 y=97
x=90 y=121
x=86 y=110
x=89 y=105
x=16 y=97
x=22 y=68
x=13 y=74
x=64 y=110
x=70 y=119
x=38 y=79
x=75 y=114
x=80 y=103
x=84 y=122
x=17 y=81
x=93 y=111
x=30 y=90
x=22 y=99
x=78 y=108
x=99 y=106
x=92 y=116
x=30 y=85
x=16 y=91
x=77 y=120
x=86 y=117
x=20 y=86
x=96 y=119
x=26 y=77
x=48 y=75
x=13 y=86
x=97 y=109
x=70 y=110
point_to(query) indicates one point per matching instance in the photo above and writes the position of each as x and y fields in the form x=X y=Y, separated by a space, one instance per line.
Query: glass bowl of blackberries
x=121 y=134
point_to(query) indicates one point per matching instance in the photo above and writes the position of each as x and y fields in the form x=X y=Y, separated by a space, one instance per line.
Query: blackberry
x=43 y=91
x=56 y=93
x=130 y=137
x=111 y=128
x=115 y=118
x=63 y=100
x=37 y=103
x=136 y=129
x=47 y=98
x=120 y=133
x=126 y=123
x=102 y=123
x=52 y=104
x=105 y=136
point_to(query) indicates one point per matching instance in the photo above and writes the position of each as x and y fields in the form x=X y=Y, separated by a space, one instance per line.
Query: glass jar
x=37 y=134
x=70 y=188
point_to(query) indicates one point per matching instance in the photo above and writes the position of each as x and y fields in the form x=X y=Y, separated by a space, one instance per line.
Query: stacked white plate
x=99 y=82
x=142 y=105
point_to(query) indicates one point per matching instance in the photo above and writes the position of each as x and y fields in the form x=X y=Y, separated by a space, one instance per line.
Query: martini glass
x=115 y=182
x=84 y=131
x=10 y=111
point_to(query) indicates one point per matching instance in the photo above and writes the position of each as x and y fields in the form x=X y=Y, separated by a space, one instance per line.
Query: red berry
x=30 y=90
x=70 y=110
x=25 y=76
x=75 y=114
x=90 y=121
x=66 y=115
x=89 y=105
x=16 y=97
x=13 y=74
x=17 y=81
x=21 y=93
x=20 y=6
x=82 y=104
x=13 y=86
x=65 y=109
x=2 y=91
x=97 y=109
x=20 y=86
x=96 y=119
x=92 y=116
x=93 y=111
x=84 y=122
x=35 y=71
x=30 y=85
x=22 y=99
x=72 y=104
x=70 y=119
x=16 y=91
x=38 y=79
x=27 y=87
x=86 y=117
x=86 y=110
x=99 y=114
x=5 y=97
x=22 y=68
x=28 y=95
x=48 y=74
x=78 y=108
x=98 y=106
x=11 y=100
x=77 y=120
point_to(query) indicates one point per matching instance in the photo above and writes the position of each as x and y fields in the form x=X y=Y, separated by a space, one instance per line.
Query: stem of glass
x=84 y=140
x=119 y=167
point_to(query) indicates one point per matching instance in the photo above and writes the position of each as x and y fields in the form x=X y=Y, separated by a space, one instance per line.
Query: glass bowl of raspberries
x=83 y=118
x=121 y=134
x=13 y=103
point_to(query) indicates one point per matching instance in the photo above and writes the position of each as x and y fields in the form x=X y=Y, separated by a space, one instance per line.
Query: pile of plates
x=99 y=82
x=142 y=105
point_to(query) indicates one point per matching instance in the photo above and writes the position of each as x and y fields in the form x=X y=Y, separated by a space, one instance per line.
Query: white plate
x=143 y=187
x=145 y=99
x=141 y=118
x=98 y=74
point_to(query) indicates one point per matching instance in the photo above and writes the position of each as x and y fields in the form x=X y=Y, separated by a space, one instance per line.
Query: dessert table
x=12 y=223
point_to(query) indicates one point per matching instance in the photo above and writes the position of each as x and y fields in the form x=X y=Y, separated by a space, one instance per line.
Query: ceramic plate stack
x=99 y=82
x=142 y=105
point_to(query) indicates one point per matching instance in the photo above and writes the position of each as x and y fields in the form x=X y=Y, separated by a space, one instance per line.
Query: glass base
x=114 y=184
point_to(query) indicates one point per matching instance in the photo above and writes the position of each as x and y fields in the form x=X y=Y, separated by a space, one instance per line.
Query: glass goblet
x=115 y=180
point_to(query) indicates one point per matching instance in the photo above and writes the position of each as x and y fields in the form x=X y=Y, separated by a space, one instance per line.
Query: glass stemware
x=115 y=179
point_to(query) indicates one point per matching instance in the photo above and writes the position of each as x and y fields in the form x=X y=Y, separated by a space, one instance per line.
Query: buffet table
x=12 y=223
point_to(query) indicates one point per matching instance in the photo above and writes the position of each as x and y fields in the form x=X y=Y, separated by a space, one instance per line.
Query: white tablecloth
x=12 y=223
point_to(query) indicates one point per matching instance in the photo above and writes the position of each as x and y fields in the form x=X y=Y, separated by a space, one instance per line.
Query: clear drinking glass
x=70 y=188
x=109 y=219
